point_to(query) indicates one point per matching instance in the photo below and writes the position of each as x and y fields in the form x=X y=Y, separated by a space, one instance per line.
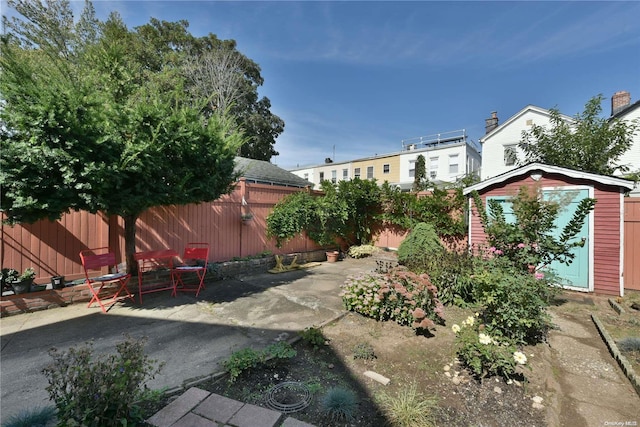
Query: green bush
x=419 y=246
x=400 y=295
x=313 y=336
x=247 y=358
x=451 y=272
x=99 y=391
x=514 y=303
x=483 y=354
x=339 y=404
x=242 y=360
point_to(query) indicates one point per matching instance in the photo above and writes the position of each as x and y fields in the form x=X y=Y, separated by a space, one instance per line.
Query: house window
x=356 y=172
x=334 y=176
x=345 y=174
x=369 y=172
x=306 y=176
x=510 y=154
x=412 y=168
x=321 y=176
x=453 y=164
x=385 y=168
x=433 y=167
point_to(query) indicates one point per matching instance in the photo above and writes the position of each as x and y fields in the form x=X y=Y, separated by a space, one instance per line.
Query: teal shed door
x=576 y=274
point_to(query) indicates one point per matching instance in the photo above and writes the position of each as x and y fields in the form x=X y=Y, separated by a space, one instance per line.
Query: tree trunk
x=130 y=242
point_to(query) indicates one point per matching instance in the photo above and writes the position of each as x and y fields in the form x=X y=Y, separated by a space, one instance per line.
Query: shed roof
x=264 y=172
x=529 y=168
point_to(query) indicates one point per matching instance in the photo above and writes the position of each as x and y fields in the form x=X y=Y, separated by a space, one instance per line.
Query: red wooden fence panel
x=632 y=243
x=52 y=248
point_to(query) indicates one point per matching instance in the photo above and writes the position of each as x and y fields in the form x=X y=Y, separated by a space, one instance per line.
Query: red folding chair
x=97 y=261
x=196 y=258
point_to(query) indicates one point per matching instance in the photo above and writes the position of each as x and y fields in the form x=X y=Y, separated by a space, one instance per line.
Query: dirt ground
x=543 y=395
x=405 y=359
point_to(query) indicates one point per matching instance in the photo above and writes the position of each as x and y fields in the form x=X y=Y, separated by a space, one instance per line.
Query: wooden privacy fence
x=52 y=248
x=632 y=243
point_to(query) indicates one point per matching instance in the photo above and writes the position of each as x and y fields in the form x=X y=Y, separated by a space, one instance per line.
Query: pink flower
x=418 y=313
x=539 y=275
x=499 y=252
x=427 y=324
x=521 y=245
x=492 y=249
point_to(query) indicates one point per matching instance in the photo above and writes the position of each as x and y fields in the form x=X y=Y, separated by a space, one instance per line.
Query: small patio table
x=154 y=271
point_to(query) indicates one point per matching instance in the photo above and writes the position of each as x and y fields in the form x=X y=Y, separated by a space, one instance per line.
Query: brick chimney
x=620 y=100
x=491 y=123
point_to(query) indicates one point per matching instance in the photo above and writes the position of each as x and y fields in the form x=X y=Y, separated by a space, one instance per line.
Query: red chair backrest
x=198 y=251
x=96 y=261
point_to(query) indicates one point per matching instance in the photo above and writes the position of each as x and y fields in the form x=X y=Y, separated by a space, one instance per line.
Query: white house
x=328 y=171
x=500 y=152
x=448 y=156
x=623 y=109
x=305 y=173
x=445 y=161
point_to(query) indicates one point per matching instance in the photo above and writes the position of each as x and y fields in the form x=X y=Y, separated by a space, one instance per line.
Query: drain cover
x=288 y=397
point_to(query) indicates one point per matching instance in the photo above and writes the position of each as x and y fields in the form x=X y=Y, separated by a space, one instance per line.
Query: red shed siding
x=606 y=230
x=606 y=257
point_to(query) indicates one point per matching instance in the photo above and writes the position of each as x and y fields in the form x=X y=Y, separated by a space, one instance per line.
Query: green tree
x=216 y=70
x=348 y=211
x=590 y=143
x=420 y=174
x=89 y=124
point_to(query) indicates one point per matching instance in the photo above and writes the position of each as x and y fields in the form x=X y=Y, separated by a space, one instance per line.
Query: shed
x=598 y=265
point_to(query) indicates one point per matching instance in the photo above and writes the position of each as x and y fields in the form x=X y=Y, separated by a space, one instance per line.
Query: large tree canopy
x=92 y=120
x=590 y=144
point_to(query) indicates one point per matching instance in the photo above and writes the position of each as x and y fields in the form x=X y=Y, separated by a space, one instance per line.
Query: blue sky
x=363 y=76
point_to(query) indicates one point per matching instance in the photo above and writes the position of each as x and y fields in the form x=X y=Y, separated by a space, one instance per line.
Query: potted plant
x=57 y=282
x=8 y=276
x=22 y=284
x=246 y=217
x=332 y=256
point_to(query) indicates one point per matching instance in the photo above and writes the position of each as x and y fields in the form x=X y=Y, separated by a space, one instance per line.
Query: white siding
x=507 y=134
x=632 y=157
x=443 y=153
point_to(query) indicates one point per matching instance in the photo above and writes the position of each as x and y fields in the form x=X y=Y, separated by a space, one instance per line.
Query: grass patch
x=408 y=408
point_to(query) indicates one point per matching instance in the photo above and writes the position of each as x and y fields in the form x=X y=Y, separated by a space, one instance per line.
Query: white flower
x=519 y=357
x=469 y=321
x=484 y=339
x=455 y=328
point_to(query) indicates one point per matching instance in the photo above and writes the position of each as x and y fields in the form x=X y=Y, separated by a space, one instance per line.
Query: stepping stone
x=218 y=408
x=177 y=409
x=255 y=416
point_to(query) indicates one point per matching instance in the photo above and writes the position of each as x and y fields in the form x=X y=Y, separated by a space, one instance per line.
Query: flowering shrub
x=400 y=295
x=486 y=355
x=514 y=303
x=362 y=251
